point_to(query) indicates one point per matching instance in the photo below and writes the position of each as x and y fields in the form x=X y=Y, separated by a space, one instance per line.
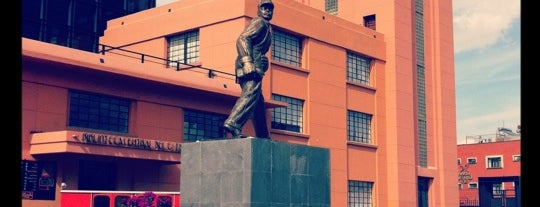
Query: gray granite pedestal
x=254 y=172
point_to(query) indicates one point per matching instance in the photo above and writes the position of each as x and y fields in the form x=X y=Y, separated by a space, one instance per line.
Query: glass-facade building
x=76 y=24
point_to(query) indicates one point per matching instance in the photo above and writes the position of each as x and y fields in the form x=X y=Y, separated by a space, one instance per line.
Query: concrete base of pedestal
x=254 y=173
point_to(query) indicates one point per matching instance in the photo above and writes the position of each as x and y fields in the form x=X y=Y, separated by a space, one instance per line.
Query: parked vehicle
x=95 y=198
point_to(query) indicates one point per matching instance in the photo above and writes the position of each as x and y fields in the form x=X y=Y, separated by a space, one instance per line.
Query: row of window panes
x=420 y=86
x=472 y=185
x=185 y=48
x=87 y=110
x=492 y=162
x=94 y=111
x=75 y=23
x=287 y=48
x=497 y=188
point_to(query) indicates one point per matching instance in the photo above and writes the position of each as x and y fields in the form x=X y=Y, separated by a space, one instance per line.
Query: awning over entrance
x=91 y=143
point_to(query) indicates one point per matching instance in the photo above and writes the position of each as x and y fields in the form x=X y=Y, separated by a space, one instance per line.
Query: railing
x=487 y=138
x=180 y=66
x=469 y=203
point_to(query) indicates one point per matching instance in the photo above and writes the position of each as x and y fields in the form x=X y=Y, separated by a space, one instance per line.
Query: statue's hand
x=262 y=67
x=248 y=68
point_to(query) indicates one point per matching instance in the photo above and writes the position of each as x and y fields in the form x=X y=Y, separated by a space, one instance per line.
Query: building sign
x=38 y=180
x=130 y=142
x=464 y=176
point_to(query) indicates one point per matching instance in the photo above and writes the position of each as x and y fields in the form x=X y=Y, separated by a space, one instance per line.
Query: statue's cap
x=269 y=2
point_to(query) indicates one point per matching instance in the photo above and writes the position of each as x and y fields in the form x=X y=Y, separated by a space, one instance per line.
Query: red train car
x=92 y=198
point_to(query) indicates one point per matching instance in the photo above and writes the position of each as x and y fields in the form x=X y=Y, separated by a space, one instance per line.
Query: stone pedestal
x=254 y=173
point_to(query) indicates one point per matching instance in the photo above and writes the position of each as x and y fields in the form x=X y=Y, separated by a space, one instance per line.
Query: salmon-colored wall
x=439 y=86
x=44 y=109
x=299 y=82
x=288 y=82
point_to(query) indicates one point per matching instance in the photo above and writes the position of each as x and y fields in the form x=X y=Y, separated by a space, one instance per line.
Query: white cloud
x=488 y=66
x=488 y=123
x=480 y=23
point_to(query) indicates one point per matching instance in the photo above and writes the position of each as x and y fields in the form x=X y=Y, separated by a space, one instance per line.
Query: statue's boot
x=235 y=132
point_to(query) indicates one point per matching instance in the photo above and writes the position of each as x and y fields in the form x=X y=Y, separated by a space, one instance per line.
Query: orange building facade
x=490 y=172
x=373 y=82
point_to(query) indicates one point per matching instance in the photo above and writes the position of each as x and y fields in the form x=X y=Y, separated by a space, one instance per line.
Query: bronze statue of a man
x=251 y=64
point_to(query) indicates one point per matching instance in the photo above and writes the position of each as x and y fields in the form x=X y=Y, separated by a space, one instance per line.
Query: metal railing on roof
x=180 y=66
x=487 y=138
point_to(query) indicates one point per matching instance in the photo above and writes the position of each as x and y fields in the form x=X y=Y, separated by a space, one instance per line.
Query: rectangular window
x=199 y=125
x=358 y=68
x=423 y=190
x=360 y=193
x=494 y=162
x=286 y=48
x=516 y=158
x=473 y=185
x=288 y=118
x=183 y=48
x=497 y=189
x=359 y=127
x=460 y=186
x=422 y=140
x=459 y=161
x=369 y=22
x=94 y=111
x=331 y=6
x=471 y=160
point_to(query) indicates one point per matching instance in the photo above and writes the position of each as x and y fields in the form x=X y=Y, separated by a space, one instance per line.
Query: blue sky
x=487 y=48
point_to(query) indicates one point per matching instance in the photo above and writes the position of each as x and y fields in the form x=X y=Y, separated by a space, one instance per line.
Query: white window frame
x=459 y=161
x=494 y=156
x=184 y=48
x=516 y=158
x=472 y=158
x=475 y=185
x=498 y=192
